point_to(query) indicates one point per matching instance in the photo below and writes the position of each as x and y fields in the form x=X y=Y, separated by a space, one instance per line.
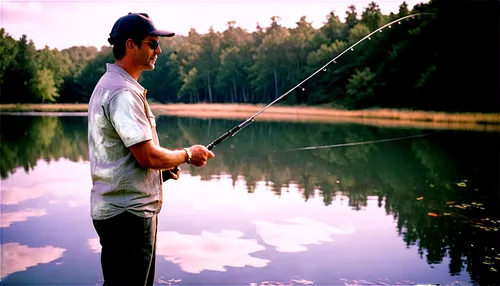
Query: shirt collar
x=117 y=69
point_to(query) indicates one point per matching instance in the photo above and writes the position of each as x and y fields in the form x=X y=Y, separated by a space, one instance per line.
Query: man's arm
x=130 y=122
x=151 y=156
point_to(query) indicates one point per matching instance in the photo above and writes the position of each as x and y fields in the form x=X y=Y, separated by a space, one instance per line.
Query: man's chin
x=149 y=67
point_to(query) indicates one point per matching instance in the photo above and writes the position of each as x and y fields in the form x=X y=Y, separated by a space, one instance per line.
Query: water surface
x=413 y=211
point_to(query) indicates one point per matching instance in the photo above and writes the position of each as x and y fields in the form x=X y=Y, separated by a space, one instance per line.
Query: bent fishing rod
x=251 y=119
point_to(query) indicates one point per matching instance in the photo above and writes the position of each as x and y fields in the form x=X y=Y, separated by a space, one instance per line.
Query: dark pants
x=128 y=249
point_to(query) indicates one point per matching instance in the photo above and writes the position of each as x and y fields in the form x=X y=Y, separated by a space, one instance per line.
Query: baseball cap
x=134 y=25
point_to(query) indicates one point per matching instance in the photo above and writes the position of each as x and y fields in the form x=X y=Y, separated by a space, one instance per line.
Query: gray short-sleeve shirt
x=118 y=118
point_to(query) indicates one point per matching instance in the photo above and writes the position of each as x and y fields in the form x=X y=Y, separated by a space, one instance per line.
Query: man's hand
x=200 y=155
x=171 y=174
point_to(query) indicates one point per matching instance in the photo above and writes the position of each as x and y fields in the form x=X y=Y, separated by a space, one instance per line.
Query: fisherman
x=126 y=161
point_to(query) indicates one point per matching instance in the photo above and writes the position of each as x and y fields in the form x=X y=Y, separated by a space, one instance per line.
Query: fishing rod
x=359 y=143
x=250 y=120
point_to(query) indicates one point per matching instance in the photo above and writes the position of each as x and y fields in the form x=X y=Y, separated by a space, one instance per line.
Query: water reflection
x=66 y=181
x=17 y=257
x=9 y=218
x=208 y=251
x=442 y=192
x=293 y=235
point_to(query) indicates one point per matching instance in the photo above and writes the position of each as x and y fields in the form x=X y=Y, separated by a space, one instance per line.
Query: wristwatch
x=188 y=155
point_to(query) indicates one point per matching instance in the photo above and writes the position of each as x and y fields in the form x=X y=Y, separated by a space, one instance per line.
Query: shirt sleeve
x=126 y=111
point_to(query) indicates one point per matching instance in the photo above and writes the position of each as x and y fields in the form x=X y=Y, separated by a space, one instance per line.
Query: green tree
x=327 y=84
x=188 y=53
x=403 y=10
x=77 y=58
x=372 y=17
x=358 y=32
x=351 y=18
x=189 y=89
x=360 y=89
x=56 y=62
x=235 y=59
x=18 y=83
x=270 y=62
x=299 y=44
x=92 y=72
x=8 y=53
x=208 y=62
x=333 y=29
x=44 y=86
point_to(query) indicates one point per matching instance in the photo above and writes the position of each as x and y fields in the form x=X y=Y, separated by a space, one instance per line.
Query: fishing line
x=358 y=143
x=250 y=120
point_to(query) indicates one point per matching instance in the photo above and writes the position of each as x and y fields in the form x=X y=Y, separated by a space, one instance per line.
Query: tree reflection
x=27 y=139
x=442 y=190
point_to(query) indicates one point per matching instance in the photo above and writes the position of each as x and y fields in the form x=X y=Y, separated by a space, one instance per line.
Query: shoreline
x=246 y=110
x=381 y=117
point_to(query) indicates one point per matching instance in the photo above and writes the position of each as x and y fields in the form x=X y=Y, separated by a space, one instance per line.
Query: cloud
x=9 y=218
x=295 y=234
x=16 y=257
x=208 y=251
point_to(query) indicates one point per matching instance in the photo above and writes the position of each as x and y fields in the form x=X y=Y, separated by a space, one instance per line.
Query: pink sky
x=66 y=23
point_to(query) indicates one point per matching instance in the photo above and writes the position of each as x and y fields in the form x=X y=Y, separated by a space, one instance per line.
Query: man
x=126 y=160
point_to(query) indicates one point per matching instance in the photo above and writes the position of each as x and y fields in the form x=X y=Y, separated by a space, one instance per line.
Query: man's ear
x=130 y=44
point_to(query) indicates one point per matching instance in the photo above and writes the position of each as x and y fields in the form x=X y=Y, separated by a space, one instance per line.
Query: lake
x=370 y=205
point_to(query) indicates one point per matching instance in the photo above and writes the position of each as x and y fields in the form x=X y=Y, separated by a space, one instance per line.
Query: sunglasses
x=152 y=44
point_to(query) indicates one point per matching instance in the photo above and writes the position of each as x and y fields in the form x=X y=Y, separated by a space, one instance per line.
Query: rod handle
x=223 y=137
x=167 y=175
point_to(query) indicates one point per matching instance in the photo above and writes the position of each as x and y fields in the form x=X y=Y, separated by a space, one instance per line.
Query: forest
x=446 y=60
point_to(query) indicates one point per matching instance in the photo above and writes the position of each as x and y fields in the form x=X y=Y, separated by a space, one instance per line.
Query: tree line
x=415 y=64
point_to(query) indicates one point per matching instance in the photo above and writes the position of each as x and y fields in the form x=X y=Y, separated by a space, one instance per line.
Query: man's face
x=145 y=56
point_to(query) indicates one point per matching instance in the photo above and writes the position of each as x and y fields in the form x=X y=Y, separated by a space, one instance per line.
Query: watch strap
x=188 y=155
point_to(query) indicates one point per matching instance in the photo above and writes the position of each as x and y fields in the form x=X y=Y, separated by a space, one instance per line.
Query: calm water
x=413 y=211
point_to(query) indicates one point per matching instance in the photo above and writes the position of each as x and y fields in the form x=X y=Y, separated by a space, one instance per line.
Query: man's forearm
x=164 y=159
x=151 y=156
x=148 y=155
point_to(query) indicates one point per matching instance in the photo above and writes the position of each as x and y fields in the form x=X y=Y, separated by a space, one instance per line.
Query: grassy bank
x=237 y=110
x=246 y=110
x=66 y=107
x=296 y=113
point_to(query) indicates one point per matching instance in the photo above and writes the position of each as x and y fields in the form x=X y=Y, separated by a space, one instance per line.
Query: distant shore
x=392 y=117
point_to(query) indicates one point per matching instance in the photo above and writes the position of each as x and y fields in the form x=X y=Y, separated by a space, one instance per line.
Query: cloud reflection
x=16 y=257
x=208 y=251
x=294 y=234
x=9 y=218
x=61 y=180
x=94 y=245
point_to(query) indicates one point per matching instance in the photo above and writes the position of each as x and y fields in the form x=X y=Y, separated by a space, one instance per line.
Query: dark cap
x=135 y=25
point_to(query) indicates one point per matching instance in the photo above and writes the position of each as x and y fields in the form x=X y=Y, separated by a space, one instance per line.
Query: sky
x=65 y=23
